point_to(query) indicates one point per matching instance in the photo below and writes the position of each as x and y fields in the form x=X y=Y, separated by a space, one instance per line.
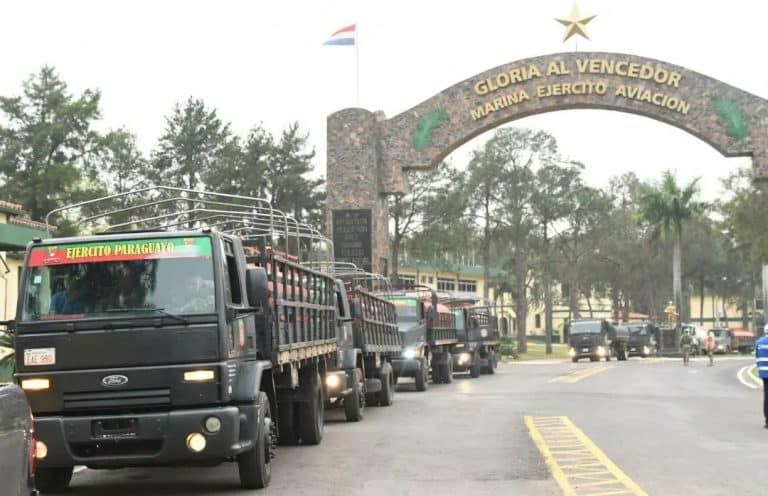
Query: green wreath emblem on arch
x=421 y=139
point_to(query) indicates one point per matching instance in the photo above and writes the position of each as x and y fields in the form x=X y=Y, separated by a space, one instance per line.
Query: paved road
x=651 y=426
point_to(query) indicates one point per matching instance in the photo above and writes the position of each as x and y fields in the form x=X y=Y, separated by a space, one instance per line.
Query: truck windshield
x=407 y=310
x=638 y=331
x=458 y=317
x=591 y=327
x=720 y=333
x=119 y=278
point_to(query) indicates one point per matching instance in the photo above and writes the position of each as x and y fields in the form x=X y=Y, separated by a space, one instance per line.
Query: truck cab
x=142 y=349
x=478 y=334
x=643 y=339
x=596 y=339
x=412 y=324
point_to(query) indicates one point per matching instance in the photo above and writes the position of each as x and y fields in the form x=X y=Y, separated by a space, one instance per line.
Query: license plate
x=585 y=350
x=633 y=349
x=39 y=356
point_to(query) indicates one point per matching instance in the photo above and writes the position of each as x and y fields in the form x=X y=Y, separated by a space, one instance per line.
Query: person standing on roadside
x=685 y=346
x=710 y=345
x=761 y=353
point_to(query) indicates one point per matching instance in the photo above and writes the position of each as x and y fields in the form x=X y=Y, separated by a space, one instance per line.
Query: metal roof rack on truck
x=168 y=208
x=350 y=272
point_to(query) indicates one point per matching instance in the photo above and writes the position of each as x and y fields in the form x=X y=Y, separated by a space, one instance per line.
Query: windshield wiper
x=149 y=309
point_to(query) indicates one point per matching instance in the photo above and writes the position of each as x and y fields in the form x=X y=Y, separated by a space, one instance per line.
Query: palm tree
x=666 y=207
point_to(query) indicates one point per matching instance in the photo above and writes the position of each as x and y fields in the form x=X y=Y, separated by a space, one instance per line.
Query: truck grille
x=105 y=400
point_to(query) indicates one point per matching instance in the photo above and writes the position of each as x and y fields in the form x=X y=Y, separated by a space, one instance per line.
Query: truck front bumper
x=162 y=438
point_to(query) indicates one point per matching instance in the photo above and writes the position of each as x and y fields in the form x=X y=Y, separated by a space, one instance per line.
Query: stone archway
x=368 y=153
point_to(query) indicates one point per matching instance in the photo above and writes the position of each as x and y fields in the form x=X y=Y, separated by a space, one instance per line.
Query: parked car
x=17 y=443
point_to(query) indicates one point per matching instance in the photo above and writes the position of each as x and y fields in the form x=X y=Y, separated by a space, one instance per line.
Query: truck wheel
x=422 y=375
x=386 y=396
x=53 y=480
x=474 y=370
x=574 y=359
x=286 y=424
x=593 y=359
x=449 y=370
x=437 y=373
x=255 y=466
x=491 y=364
x=355 y=402
x=311 y=411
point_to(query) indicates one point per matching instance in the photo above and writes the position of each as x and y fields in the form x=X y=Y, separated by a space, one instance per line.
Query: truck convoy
x=168 y=347
x=596 y=339
x=183 y=344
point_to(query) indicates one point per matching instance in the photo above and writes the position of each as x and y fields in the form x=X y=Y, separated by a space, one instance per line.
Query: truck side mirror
x=256 y=286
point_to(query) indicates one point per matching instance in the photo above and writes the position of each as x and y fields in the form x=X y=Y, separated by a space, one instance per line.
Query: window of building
x=431 y=280
x=467 y=286
x=446 y=284
x=537 y=318
x=423 y=279
x=407 y=280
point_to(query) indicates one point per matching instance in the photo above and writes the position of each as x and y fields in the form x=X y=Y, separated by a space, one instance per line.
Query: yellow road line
x=580 y=374
x=581 y=470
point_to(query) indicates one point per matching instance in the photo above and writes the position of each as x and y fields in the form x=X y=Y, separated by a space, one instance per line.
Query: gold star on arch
x=575 y=24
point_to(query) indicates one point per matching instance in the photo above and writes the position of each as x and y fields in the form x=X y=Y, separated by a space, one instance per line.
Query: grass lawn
x=536 y=352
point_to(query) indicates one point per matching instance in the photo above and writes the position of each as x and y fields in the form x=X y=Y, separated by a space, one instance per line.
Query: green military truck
x=597 y=339
x=157 y=348
x=479 y=340
x=429 y=336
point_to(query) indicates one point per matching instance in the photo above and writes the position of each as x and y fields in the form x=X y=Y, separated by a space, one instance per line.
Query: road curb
x=746 y=378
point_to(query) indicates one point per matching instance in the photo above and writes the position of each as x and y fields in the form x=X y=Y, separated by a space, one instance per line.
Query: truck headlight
x=411 y=353
x=332 y=381
x=601 y=351
x=35 y=384
x=464 y=358
x=199 y=375
x=646 y=350
x=572 y=353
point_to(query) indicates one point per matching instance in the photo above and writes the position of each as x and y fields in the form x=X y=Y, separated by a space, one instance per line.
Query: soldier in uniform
x=685 y=345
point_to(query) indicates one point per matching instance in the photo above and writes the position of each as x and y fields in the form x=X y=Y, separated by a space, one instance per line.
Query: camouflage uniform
x=685 y=344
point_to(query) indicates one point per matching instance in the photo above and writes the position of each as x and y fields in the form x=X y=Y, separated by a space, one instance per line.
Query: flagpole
x=357 y=66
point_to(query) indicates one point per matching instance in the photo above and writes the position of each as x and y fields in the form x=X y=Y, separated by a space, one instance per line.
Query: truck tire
x=422 y=375
x=574 y=359
x=254 y=466
x=53 y=480
x=355 y=402
x=386 y=396
x=286 y=424
x=449 y=370
x=474 y=370
x=311 y=411
x=437 y=373
x=492 y=363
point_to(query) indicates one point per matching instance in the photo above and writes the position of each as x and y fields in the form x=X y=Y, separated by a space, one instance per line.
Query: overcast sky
x=264 y=62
